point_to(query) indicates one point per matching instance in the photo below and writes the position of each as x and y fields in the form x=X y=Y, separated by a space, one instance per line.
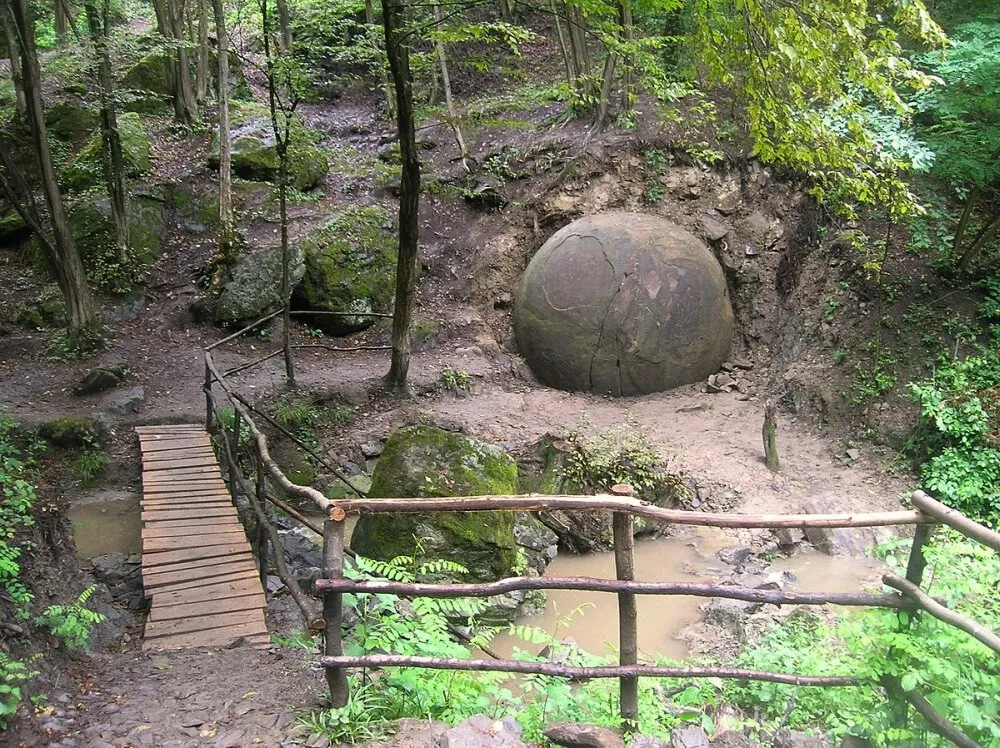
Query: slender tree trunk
x=281 y=140
x=228 y=246
x=506 y=13
x=390 y=101
x=568 y=60
x=983 y=238
x=65 y=259
x=10 y=41
x=61 y=21
x=170 y=19
x=628 y=35
x=446 y=85
x=284 y=27
x=201 y=74
x=112 y=160
x=607 y=81
x=963 y=222
x=398 y=52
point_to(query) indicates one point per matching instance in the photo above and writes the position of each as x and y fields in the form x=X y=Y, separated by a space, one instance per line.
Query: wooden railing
x=926 y=513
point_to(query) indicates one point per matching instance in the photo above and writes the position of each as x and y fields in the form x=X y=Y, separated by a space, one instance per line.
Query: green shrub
x=72 y=623
x=959 y=676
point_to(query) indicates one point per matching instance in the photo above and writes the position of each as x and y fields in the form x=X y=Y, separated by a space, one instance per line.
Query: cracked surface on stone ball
x=623 y=304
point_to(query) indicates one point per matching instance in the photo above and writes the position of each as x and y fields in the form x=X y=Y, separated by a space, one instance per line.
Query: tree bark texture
x=398 y=52
x=201 y=71
x=170 y=19
x=112 y=161
x=284 y=27
x=10 y=41
x=228 y=246
x=446 y=85
x=65 y=259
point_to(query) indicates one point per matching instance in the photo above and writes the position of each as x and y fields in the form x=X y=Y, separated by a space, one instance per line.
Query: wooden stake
x=770 y=434
x=628 y=636
x=333 y=610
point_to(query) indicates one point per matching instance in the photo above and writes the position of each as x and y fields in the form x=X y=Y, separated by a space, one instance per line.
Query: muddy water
x=591 y=618
x=111 y=524
x=107 y=525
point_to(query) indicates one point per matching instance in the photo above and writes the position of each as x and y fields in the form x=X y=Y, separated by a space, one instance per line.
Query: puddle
x=107 y=524
x=591 y=618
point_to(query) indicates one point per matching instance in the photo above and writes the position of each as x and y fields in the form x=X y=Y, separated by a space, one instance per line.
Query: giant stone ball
x=623 y=304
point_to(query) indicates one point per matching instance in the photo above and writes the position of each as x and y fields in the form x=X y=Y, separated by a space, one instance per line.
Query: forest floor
x=240 y=697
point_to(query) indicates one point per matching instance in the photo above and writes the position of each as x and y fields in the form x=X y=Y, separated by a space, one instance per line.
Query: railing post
x=628 y=645
x=207 y=387
x=916 y=563
x=261 y=489
x=333 y=610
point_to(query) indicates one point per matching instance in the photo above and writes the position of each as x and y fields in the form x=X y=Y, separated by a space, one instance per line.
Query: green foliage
x=227 y=422
x=90 y=462
x=820 y=86
x=72 y=623
x=17 y=500
x=12 y=674
x=621 y=454
x=454 y=380
x=961 y=120
x=957 y=674
x=957 y=438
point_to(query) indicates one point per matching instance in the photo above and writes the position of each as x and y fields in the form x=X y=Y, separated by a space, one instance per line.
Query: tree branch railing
x=926 y=512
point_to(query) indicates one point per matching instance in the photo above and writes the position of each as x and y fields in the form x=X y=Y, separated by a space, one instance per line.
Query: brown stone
x=572 y=735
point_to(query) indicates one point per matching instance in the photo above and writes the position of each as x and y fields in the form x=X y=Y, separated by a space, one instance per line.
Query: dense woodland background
x=217 y=142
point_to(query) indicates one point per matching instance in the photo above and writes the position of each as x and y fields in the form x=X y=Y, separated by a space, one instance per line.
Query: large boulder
x=145 y=85
x=70 y=120
x=427 y=462
x=623 y=304
x=255 y=153
x=253 y=288
x=85 y=169
x=349 y=267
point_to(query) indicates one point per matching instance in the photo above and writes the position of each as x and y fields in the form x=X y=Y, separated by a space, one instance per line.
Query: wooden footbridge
x=196 y=562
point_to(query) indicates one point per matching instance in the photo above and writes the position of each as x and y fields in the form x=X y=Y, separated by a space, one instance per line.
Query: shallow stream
x=109 y=523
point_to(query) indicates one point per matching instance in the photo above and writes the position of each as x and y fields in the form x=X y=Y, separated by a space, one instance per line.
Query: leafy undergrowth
x=69 y=623
x=957 y=439
x=958 y=675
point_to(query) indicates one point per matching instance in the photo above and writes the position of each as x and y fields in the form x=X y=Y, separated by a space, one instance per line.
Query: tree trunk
x=628 y=35
x=607 y=81
x=446 y=84
x=983 y=238
x=282 y=138
x=390 y=103
x=61 y=21
x=65 y=258
x=6 y=25
x=568 y=59
x=228 y=247
x=963 y=223
x=201 y=74
x=170 y=19
x=112 y=161
x=398 y=53
x=284 y=27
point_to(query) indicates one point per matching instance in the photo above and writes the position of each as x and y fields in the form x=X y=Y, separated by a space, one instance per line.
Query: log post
x=233 y=439
x=770 y=433
x=628 y=645
x=208 y=395
x=261 y=490
x=916 y=563
x=333 y=610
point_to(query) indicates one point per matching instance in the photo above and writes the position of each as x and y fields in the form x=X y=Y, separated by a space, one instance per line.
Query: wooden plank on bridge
x=196 y=562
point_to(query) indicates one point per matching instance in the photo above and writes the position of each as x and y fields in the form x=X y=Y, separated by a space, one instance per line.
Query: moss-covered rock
x=255 y=154
x=197 y=206
x=70 y=120
x=239 y=87
x=425 y=461
x=85 y=170
x=253 y=289
x=93 y=227
x=71 y=432
x=12 y=226
x=46 y=311
x=145 y=85
x=350 y=266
